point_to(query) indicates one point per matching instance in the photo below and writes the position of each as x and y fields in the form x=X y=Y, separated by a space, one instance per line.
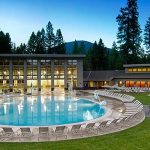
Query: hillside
x=69 y=46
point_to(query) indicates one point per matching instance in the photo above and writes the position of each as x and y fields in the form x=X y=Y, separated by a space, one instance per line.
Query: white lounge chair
x=90 y=128
x=7 y=133
x=44 y=133
x=60 y=131
x=25 y=133
x=76 y=130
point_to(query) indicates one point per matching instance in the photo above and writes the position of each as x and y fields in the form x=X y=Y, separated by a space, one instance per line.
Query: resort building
x=40 y=71
x=134 y=75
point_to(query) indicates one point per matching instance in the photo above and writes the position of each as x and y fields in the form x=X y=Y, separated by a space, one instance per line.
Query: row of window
x=146 y=69
x=34 y=62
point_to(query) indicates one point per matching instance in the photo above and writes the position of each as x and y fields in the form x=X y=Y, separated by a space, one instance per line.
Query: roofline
x=52 y=56
x=136 y=65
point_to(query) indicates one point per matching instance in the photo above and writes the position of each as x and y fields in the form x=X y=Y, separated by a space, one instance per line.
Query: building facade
x=134 y=75
x=40 y=71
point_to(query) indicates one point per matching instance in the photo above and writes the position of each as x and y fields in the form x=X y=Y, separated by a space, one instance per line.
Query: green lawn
x=136 y=138
x=142 y=97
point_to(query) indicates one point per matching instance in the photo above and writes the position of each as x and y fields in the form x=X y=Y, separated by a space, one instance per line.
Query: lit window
x=130 y=70
x=134 y=69
x=139 y=69
x=144 y=69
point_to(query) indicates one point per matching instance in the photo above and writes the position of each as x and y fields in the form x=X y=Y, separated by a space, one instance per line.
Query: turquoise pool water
x=47 y=110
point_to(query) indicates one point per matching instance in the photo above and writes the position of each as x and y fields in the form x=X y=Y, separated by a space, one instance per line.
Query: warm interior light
x=69 y=72
x=44 y=72
x=19 y=73
x=4 y=72
x=57 y=72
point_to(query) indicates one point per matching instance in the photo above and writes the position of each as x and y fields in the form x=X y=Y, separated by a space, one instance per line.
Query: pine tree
x=32 y=44
x=129 y=32
x=59 y=43
x=94 y=63
x=50 y=38
x=101 y=54
x=75 y=48
x=82 y=48
x=5 y=43
x=40 y=42
x=21 y=49
x=147 y=36
x=114 y=58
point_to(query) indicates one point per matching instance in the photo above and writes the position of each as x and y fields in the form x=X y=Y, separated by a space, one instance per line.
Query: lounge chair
x=43 y=133
x=76 y=130
x=60 y=132
x=102 y=126
x=90 y=128
x=25 y=133
x=7 y=133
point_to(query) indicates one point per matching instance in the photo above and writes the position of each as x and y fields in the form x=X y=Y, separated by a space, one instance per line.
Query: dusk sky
x=78 y=19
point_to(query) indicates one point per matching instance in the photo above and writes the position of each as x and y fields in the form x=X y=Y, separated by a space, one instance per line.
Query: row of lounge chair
x=119 y=96
x=63 y=131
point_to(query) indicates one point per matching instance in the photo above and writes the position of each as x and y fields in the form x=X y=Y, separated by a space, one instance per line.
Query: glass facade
x=33 y=73
x=4 y=75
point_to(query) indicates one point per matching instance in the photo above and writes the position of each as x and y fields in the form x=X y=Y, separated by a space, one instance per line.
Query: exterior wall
x=28 y=79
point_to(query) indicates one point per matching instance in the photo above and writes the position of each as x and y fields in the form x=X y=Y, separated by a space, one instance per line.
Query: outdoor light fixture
x=4 y=72
x=44 y=72
x=19 y=73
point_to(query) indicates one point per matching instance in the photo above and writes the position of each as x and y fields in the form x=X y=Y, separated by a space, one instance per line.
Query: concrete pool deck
x=113 y=107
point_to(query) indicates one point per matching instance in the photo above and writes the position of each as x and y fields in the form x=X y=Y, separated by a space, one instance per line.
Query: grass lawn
x=142 y=97
x=136 y=138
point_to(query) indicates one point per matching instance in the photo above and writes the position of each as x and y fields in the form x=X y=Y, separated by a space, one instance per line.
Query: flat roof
x=136 y=65
x=51 y=56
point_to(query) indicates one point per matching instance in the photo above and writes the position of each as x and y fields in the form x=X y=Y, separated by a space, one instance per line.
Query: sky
x=87 y=20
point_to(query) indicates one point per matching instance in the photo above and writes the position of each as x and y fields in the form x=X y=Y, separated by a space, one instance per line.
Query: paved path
x=147 y=110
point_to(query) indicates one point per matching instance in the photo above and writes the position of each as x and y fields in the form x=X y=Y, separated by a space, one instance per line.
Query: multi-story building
x=40 y=71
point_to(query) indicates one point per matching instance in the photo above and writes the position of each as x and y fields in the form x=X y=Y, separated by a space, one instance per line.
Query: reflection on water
x=47 y=110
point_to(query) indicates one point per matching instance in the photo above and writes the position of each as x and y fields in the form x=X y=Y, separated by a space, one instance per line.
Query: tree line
x=45 y=41
x=127 y=49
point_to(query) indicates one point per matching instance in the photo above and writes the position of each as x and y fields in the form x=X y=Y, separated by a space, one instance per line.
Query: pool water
x=47 y=110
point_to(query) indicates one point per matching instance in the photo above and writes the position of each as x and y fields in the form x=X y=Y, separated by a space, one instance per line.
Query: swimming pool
x=47 y=110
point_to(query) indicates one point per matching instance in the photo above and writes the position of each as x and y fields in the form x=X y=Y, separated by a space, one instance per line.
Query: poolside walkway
x=131 y=122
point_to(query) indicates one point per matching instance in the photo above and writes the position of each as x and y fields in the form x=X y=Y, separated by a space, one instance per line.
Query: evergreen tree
x=5 y=43
x=40 y=42
x=129 y=32
x=147 y=36
x=101 y=54
x=82 y=48
x=59 y=43
x=94 y=63
x=21 y=49
x=50 y=38
x=87 y=64
x=32 y=44
x=114 y=58
x=75 y=48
